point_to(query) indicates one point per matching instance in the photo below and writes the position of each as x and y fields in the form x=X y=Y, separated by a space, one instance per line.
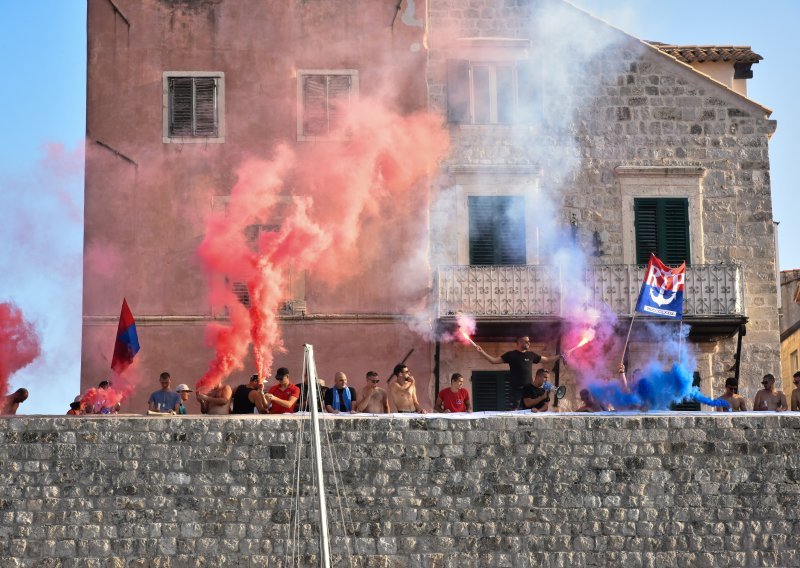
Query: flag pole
x=625 y=347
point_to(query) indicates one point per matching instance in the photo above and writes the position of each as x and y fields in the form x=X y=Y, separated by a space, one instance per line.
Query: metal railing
x=542 y=290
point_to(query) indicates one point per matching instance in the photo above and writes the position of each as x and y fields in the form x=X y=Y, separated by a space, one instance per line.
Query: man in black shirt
x=246 y=398
x=534 y=396
x=340 y=398
x=520 y=365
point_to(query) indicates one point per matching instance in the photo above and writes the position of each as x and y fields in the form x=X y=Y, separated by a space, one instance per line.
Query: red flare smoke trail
x=336 y=187
x=19 y=344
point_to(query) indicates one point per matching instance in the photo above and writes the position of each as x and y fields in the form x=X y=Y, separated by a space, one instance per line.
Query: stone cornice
x=660 y=171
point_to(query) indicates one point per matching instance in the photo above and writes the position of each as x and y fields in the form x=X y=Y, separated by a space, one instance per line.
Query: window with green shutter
x=662 y=227
x=491 y=390
x=496 y=230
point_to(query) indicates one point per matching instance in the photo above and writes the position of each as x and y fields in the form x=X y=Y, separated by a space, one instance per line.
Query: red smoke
x=19 y=343
x=320 y=197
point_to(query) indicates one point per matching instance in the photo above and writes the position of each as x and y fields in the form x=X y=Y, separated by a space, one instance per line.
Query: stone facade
x=608 y=107
x=557 y=490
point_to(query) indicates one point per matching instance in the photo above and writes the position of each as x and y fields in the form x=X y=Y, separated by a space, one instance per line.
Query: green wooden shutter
x=676 y=231
x=458 y=91
x=491 y=390
x=662 y=227
x=496 y=230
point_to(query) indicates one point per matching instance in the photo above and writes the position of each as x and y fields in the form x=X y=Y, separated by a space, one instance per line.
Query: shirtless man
x=216 y=401
x=374 y=399
x=796 y=392
x=768 y=398
x=403 y=391
x=13 y=400
x=737 y=401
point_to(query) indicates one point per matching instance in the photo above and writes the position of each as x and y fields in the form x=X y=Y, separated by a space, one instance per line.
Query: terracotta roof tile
x=703 y=53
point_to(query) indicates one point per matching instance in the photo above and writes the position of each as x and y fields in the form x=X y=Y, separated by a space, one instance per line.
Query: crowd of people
x=529 y=391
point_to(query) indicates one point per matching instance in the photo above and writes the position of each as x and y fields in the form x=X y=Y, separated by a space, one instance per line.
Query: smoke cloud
x=19 y=344
x=318 y=198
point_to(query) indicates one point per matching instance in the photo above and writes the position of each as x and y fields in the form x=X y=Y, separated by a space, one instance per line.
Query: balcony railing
x=540 y=290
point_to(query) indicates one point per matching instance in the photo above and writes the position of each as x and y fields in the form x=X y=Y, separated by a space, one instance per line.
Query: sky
x=43 y=47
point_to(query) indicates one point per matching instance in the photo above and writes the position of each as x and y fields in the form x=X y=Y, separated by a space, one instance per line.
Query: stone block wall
x=503 y=490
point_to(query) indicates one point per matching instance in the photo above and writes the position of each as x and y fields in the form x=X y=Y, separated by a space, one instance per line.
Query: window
x=496 y=229
x=662 y=227
x=481 y=92
x=322 y=98
x=794 y=362
x=193 y=106
x=491 y=390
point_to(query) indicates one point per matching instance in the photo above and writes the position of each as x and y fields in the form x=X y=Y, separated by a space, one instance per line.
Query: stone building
x=790 y=326
x=576 y=150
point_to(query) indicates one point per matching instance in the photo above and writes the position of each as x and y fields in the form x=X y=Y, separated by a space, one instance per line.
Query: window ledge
x=193 y=140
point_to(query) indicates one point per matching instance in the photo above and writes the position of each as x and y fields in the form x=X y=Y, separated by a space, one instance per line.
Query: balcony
x=712 y=291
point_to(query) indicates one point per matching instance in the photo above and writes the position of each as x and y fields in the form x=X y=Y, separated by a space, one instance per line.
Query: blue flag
x=662 y=290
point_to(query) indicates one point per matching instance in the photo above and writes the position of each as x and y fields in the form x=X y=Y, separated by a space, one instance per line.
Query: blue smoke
x=657 y=389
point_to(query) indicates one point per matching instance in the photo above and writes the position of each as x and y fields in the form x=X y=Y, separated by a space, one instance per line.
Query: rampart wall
x=558 y=490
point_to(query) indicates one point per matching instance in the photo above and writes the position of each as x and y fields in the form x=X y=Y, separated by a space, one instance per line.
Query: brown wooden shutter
x=180 y=106
x=315 y=102
x=458 y=91
x=205 y=106
x=339 y=91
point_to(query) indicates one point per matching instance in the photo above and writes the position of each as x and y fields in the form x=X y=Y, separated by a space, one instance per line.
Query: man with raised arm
x=403 y=390
x=520 y=363
x=374 y=399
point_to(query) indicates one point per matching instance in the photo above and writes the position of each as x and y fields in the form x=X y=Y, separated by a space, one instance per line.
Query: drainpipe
x=436 y=358
x=742 y=333
x=557 y=371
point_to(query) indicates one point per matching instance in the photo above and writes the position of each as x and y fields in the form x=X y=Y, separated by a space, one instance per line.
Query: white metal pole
x=324 y=543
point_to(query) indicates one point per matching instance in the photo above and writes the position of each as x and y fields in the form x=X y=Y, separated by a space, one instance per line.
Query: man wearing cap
x=183 y=391
x=768 y=398
x=247 y=398
x=164 y=400
x=737 y=401
x=283 y=396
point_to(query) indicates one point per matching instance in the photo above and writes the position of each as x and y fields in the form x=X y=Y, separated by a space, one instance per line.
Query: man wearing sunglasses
x=374 y=399
x=768 y=398
x=796 y=392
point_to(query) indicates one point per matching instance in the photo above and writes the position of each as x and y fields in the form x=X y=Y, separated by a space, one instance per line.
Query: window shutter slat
x=458 y=91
